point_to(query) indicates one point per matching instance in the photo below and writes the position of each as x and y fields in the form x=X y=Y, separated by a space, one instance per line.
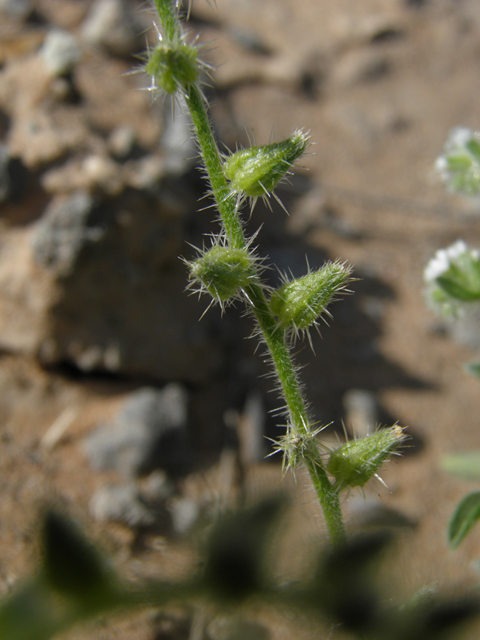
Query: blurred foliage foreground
x=75 y=583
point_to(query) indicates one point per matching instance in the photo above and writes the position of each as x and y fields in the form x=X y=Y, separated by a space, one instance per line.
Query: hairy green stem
x=225 y=200
x=168 y=19
x=274 y=337
x=327 y=495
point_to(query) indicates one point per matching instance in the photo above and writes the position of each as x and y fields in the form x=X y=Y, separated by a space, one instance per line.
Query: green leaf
x=474 y=147
x=465 y=465
x=72 y=565
x=458 y=289
x=462 y=280
x=466 y=515
x=236 y=551
x=473 y=368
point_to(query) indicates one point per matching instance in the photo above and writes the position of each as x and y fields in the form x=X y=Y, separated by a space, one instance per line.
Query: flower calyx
x=172 y=65
x=255 y=172
x=355 y=462
x=299 y=303
x=223 y=272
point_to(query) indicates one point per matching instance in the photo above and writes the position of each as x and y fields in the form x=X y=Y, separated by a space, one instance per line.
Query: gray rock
x=121 y=503
x=236 y=627
x=95 y=173
x=251 y=429
x=62 y=233
x=361 y=411
x=24 y=293
x=121 y=141
x=147 y=434
x=177 y=140
x=60 y=52
x=156 y=410
x=371 y=513
x=185 y=513
x=110 y=24
x=120 y=303
x=466 y=328
x=16 y=8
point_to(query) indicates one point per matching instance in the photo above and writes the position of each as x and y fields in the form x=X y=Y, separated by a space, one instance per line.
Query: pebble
x=122 y=141
x=185 y=513
x=374 y=513
x=361 y=412
x=236 y=627
x=177 y=140
x=95 y=173
x=146 y=173
x=147 y=434
x=120 y=503
x=350 y=30
x=63 y=231
x=466 y=329
x=110 y=24
x=60 y=52
x=251 y=429
x=16 y=8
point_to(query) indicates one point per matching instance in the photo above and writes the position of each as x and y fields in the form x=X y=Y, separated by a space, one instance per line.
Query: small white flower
x=441 y=165
x=459 y=137
x=459 y=165
x=443 y=260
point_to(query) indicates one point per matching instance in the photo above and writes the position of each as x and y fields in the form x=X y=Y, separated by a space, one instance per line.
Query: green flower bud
x=300 y=302
x=172 y=65
x=223 y=272
x=355 y=462
x=256 y=171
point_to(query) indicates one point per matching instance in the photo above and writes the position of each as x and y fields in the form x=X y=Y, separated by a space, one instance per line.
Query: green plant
x=230 y=269
x=74 y=581
x=452 y=280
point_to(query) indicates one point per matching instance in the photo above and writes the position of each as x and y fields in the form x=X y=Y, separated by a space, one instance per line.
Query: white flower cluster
x=444 y=258
x=459 y=165
x=456 y=295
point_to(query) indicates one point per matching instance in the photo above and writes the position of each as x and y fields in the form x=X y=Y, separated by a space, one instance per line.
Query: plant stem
x=225 y=200
x=274 y=337
x=327 y=496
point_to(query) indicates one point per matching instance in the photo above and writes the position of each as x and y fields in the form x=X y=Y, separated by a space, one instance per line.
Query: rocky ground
x=103 y=359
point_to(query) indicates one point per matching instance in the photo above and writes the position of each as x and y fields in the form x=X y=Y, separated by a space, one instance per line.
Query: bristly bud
x=299 y=303
x=223 y=271
x=355 y=462
x=453 y=279
x=459 y=165
x=255 y=172
x=172 y=66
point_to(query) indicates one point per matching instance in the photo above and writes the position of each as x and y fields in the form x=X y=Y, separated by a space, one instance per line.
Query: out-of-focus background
x=116 y=402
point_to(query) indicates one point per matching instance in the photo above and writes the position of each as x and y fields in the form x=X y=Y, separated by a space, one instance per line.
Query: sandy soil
x=378 y=84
